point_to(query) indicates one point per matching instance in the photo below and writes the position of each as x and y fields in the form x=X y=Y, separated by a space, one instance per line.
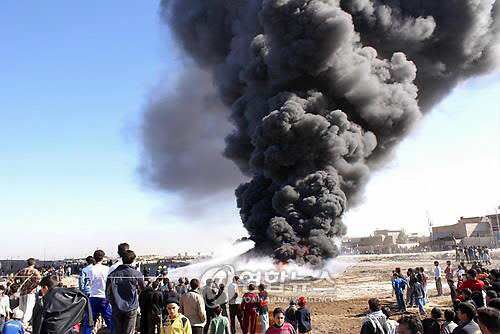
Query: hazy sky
x=74 y=77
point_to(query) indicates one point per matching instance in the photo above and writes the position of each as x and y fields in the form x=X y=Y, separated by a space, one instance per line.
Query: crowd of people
x=128 y=302
x=474 y=293
x=471 y=254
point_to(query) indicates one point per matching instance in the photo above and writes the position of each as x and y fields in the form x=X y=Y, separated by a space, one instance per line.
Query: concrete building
x=469 y=227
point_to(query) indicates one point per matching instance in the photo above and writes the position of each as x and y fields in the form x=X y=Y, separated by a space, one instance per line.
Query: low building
x=486 y=226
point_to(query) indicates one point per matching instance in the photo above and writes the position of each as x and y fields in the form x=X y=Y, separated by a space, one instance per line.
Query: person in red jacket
x=472 y=282
x=249 y=309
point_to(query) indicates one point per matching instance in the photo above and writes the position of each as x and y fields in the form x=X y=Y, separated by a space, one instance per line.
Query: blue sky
x=74 y=77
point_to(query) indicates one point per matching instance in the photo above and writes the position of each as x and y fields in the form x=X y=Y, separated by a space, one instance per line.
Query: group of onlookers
x=127 y=303
x=473 y=253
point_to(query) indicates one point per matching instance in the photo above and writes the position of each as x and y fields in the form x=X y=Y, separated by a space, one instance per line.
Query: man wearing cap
x=176 y=322
x=14 y=326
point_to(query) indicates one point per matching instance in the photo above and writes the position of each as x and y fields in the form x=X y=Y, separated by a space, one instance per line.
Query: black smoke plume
x=320 y=93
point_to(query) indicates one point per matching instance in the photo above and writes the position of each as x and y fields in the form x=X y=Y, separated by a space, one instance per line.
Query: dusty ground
x=339 y=304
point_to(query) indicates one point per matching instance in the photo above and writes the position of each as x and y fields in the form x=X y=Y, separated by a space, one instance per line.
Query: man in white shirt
x=122 y=249
x=97 y=277
x=4 y=307
x=437 y=277
x=234 y=295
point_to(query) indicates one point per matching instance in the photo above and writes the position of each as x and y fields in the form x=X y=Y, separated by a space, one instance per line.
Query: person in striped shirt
x=280 y=326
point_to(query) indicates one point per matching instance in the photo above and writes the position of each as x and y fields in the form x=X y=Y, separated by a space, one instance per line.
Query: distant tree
x=402 y=237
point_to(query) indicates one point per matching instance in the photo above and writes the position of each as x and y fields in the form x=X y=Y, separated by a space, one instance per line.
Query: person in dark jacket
x=290 y=314
x=419 y=294
x=375 y=321
x=123 y=286
x=466 y=313
x=303 y=316
x=58 y=309
x=431 y=325
x=152 y=304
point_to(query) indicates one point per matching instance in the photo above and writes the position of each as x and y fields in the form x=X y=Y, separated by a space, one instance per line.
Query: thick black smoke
x=320 y=92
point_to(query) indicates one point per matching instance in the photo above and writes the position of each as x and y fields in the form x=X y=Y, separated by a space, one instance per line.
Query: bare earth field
x=338 y=305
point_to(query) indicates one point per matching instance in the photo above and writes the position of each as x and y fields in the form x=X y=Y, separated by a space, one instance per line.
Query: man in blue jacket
x=122 y=290
x=398 y=284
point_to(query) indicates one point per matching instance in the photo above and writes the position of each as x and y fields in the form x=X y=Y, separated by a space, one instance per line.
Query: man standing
x=122 y=248
x=123 y=286
x=249 y=309
x=28 y=279
x=398 y=284
x=210 y=292
x=437 y=277
x=98 y=302
x=234 y=304
x=83 y=282
x=193 y=307
x=262 y=309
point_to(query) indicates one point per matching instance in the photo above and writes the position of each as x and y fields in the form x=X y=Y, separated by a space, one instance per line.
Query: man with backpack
x=123 y=286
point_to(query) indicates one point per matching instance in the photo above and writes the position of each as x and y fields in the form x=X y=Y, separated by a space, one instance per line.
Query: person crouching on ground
x=14 y=326
x=280 y=326
x=176 y=322
x=219 y=324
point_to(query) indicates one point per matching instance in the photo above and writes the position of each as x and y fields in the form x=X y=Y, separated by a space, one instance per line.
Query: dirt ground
x=338 y=305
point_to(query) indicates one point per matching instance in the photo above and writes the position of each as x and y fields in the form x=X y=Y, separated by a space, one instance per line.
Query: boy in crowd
x=176 y=322
x=280 y=326
x=431 y=325
x=14 y=326
x=449 y=325
x=219 y=324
